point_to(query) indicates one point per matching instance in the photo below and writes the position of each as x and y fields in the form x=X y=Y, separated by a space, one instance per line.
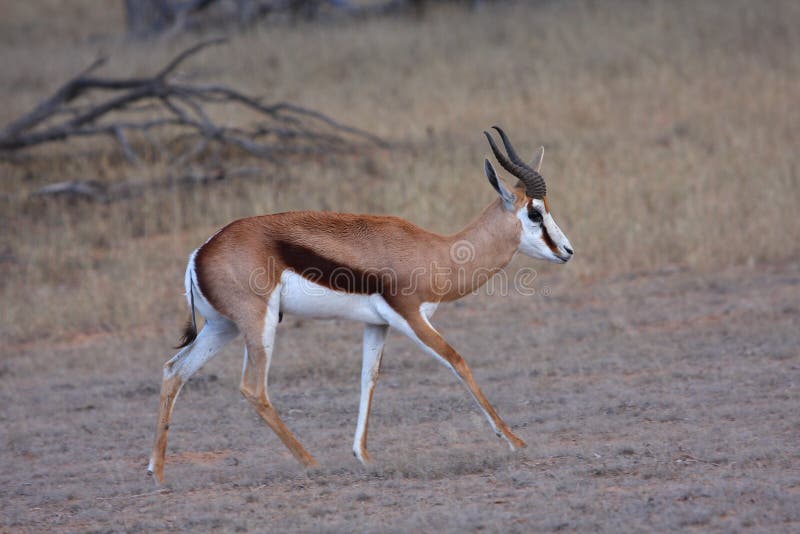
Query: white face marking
x=532 y=241
x=300 y=296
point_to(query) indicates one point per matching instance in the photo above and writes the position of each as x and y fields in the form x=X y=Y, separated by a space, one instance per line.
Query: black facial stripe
x=549 y=241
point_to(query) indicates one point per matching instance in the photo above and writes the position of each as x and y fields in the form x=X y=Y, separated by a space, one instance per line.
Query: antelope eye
x=534 y=215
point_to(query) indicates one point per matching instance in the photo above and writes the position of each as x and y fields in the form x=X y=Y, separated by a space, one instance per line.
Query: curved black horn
x=511 y=167
x=532 y=180
x=512 y=154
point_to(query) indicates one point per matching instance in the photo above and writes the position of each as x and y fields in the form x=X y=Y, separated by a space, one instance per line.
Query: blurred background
x=671 y=134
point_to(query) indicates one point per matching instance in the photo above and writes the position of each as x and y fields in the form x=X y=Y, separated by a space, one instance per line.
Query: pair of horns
x=530 y=178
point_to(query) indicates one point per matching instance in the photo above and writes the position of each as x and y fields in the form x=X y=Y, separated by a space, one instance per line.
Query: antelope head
x=540 y=236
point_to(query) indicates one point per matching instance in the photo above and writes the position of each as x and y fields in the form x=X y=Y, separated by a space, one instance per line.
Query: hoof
x=517 y=444
x=513 y=441
x=309 y=463
x=363 y=457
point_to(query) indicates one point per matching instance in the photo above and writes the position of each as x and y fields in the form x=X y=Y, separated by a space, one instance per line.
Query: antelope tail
x=190 y=330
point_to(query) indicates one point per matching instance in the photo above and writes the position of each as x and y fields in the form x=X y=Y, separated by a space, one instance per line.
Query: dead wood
x=97 y=191
x=180 y=113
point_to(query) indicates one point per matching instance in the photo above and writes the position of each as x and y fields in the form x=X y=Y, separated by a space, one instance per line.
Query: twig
x=180 y=58
x=130 y=155
x=94 y=191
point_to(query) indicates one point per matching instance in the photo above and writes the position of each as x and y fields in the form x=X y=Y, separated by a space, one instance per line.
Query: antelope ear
x=506 y=196
x=536 y=162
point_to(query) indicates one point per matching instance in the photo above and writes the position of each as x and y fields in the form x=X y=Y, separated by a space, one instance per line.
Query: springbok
x=383 y=271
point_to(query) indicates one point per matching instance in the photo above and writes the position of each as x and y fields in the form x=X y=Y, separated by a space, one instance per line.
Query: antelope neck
x=481 y=249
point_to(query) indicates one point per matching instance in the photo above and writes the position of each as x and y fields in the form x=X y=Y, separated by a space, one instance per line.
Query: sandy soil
x=652 y=402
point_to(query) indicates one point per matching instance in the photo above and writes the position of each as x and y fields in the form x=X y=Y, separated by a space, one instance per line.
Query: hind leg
x=259 y=339
x=177 y=371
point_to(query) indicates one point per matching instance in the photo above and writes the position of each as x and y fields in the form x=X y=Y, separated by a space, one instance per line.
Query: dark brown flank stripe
x=324 y=271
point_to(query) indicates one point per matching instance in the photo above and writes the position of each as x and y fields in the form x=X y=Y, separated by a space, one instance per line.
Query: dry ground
x=649 y=402
x=660 y=400
x=671 y=134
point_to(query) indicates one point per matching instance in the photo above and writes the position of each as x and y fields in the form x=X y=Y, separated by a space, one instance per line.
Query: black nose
x=569 y=250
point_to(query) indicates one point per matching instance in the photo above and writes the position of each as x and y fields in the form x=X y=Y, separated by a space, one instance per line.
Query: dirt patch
x=651 y=402
x=199 y=457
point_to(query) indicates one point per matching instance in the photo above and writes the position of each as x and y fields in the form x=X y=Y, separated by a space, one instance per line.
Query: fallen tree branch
x=97 y=191
x=158 y=103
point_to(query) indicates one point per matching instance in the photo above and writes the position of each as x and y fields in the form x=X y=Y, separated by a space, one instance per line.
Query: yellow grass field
x=671 y=134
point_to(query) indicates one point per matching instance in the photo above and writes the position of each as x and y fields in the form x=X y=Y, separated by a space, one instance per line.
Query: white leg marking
x=212 y=337
x=244 y=360
x=397 y=322
x=374 y=340
x=271 y=318
x=427 y=309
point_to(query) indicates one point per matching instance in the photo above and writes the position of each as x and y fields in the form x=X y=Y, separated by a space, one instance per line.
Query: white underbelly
x=300 y=296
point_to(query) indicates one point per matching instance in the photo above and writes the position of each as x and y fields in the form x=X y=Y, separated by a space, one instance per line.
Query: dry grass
x=671 y=132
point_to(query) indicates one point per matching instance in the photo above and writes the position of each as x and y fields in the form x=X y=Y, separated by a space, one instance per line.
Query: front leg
x=416 y=326
x=374 y=340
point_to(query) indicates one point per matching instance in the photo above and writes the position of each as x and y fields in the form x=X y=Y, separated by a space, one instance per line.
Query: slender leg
x=258 y=354
x=374 y=339
x=418 y=329
x=177 y=371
